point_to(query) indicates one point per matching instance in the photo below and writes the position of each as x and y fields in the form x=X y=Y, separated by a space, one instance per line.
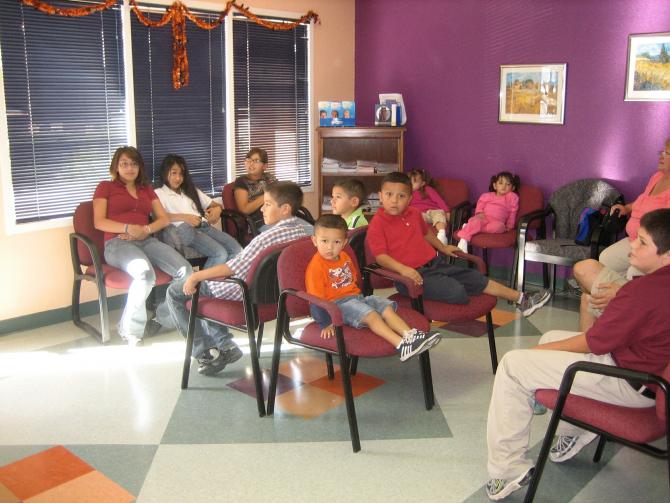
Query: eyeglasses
x=663 y=153
x=128 y=164
x=254 y=161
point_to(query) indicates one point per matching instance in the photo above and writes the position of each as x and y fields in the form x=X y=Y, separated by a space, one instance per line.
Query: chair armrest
x=92 y=250
x=478 y=261
x=330 y=307
x=413 y=289
x=524 y=222
x=610 y=371
x=459 y=214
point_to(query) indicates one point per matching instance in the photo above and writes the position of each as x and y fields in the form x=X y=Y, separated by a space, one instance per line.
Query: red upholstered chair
x=348 y=342
x=479 y=305
x=530 y=200
x=87 y=246
x=455 y=193
x=629 y=426
x=260 y=293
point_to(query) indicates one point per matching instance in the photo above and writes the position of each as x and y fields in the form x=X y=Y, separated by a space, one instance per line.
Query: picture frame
x=648 y=67
x=532 y=94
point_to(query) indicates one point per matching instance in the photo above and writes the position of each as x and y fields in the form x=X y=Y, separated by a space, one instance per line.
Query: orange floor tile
x=360 y=383
x=307 y=401
x=42 y=471
x=91 y=487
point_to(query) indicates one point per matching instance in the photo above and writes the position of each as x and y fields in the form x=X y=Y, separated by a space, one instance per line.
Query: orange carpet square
x=305 y=368
x=92 y=486
x=360 y=383
x=307 y=401
x=42 y=471
x=501 y=317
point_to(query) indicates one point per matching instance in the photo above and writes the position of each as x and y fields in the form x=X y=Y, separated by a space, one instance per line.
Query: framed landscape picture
x=532 y=94
x=648 y=68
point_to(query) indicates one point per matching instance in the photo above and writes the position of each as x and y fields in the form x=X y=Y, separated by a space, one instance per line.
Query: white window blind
x=65 y=101
x=272 y=97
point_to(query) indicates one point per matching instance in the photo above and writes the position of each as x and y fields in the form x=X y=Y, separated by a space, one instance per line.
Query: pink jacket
x=646 y=203
x=431 y=201
x=499 y=208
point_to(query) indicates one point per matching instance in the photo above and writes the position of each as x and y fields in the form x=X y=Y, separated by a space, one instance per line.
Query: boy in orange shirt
x=331 y=275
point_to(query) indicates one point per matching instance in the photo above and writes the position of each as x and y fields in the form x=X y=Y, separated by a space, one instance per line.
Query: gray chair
x=564 y=209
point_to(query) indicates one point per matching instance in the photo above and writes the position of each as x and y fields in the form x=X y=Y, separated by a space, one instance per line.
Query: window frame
x=7 y=189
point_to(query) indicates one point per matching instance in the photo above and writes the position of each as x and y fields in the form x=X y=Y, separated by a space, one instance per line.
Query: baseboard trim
x=44 y=318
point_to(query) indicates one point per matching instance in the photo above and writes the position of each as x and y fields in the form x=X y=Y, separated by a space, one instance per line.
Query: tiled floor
x=83 y=422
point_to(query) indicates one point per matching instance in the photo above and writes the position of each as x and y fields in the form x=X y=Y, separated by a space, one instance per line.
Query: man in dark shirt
x=633 y=332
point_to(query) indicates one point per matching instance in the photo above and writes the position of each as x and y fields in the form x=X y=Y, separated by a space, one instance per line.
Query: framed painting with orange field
x=648 y=68
x=533 y=94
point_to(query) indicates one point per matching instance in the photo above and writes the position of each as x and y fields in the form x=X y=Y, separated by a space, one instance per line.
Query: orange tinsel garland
x=177 y=13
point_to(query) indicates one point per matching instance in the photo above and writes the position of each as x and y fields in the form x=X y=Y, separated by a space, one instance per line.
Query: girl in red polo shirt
x=121 y=209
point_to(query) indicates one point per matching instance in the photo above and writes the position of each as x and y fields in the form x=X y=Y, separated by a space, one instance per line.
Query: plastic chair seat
x=362 y=342
x=502 y=240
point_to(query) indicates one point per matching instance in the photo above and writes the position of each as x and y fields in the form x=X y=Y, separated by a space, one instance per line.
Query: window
x=65 y=104
x=65 y=96
x=272 y=97
x=191 y=121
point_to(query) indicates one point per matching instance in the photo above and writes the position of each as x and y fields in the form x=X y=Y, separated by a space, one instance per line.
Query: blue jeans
x=353 y=308
x=207 y=335
x=136 y=258
x=209 y=241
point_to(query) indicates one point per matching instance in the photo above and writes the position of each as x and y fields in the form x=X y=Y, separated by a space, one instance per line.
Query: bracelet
x=126 y=229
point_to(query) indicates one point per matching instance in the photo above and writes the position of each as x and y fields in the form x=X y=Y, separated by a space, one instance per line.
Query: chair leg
x=521 y=274
x=76 y=314
x=485 y=256
x=545 y=275
x=190 y=336
x=512 y=282
x=599 y=449
x=256 y=370
x=104 y=313
x=354 y=365
x=427 y=380
x=492 y=342
x=259 y=338
x=348 y=394
x=329 y=366
x=274 y=372
x=542 y=458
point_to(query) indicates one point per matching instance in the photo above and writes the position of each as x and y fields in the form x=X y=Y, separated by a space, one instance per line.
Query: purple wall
x=444 y=57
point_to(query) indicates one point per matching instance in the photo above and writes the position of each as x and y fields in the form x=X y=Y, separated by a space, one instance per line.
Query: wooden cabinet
x=381 y=146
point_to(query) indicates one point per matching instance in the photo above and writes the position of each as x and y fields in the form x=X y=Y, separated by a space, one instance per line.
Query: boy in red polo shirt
x=400 y=241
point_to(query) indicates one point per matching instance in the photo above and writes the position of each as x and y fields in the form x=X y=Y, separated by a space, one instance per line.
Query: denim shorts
x=354 y=308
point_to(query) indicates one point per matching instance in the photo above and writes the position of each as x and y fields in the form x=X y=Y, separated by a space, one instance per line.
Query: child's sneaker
x=414 y=343
x=531 y=303
x=463 y=245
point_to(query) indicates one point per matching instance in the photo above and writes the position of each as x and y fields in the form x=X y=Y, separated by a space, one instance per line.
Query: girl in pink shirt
x=426 y=199
x=496 y=210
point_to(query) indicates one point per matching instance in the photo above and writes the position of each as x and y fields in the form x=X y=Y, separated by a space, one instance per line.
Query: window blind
x=272 y=98
x=191 y=121
x=65 y=105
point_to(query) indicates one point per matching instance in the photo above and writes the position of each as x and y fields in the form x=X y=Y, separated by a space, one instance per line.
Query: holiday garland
x=177 y=13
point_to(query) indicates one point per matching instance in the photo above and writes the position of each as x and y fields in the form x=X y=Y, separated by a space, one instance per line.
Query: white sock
x=442 y=236
x=463 y=245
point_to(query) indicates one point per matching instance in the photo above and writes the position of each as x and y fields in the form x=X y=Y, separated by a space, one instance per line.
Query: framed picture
x=648 y=68
x=532 y=94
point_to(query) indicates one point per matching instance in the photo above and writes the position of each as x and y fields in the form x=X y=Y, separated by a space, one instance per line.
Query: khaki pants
x=519 y=374
x=434 y=216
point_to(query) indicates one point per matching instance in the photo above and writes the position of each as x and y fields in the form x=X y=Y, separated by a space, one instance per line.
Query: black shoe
x=152 y=328
x=214 y=360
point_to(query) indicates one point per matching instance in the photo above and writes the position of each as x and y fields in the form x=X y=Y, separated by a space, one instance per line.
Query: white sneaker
x=463 y=245
x=567 y=447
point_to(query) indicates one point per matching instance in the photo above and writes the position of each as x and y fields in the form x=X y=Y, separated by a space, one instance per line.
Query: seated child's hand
x=450 y=249
x=412 y=274
x=328 y=332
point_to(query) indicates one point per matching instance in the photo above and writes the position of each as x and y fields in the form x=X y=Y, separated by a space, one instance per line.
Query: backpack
x=589 y=220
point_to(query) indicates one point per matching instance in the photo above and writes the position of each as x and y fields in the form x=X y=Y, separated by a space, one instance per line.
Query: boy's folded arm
x=330 y=307
x=413 y=289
